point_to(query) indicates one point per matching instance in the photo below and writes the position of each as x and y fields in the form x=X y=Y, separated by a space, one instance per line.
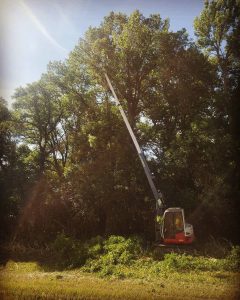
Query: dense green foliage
x=74 y=167
x=96 y=254
x=123 y=257
x=129 y=257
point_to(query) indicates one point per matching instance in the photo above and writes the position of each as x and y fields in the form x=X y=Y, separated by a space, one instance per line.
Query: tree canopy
x=67 y=140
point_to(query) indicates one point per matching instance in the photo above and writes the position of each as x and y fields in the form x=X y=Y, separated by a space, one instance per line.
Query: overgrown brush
x=125 y=257
x=96 y=254
x=69 y=252
x=216 y=247
x=116 y=250
x=190 y=263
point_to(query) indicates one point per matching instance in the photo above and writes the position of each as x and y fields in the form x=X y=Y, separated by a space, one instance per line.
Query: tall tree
x=218 y=29
x=127 y=49
x=39 y=115
x=8 y=203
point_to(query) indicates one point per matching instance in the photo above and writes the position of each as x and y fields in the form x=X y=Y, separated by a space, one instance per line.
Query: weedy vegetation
x=120 y=268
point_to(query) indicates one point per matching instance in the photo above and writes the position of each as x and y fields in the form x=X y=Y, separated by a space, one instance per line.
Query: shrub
x=122 y=250
x=69 y=252
x=116 y=250
x=123 y=257
x=97 y=253
x=94 y=247
x=218 y=248
x=233 y=259
x=187 y=262
x=178 y=262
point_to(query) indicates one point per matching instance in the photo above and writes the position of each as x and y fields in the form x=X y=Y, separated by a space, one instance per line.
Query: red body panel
x=180 y=239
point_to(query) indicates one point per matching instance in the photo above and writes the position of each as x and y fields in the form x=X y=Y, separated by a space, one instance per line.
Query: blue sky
x=34 y=32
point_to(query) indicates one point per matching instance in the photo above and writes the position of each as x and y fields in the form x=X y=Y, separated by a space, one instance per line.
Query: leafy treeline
x=67 y=161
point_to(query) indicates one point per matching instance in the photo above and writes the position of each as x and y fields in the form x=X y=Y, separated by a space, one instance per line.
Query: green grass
x=27 y=280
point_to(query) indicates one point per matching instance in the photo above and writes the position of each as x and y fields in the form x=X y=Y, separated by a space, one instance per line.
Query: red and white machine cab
x=174 y=229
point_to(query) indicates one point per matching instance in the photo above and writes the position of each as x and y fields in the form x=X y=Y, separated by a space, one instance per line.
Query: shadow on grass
x=43 y=257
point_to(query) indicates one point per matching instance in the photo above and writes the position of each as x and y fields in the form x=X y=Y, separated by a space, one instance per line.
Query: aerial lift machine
x=170 y=225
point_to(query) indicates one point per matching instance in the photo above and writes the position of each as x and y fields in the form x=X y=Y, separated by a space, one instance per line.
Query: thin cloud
x=40 y=27
x=64 y=18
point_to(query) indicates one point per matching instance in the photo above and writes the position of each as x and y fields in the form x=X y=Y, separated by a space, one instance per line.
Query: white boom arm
x=157 y=195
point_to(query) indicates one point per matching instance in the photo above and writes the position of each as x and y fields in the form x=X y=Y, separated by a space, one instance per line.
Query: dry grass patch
x=29 y=281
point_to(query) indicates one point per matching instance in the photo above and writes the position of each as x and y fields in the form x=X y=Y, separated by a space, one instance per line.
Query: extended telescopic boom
x=157 y=195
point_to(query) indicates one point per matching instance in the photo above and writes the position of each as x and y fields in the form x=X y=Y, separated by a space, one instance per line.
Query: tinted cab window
x=173 y=223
